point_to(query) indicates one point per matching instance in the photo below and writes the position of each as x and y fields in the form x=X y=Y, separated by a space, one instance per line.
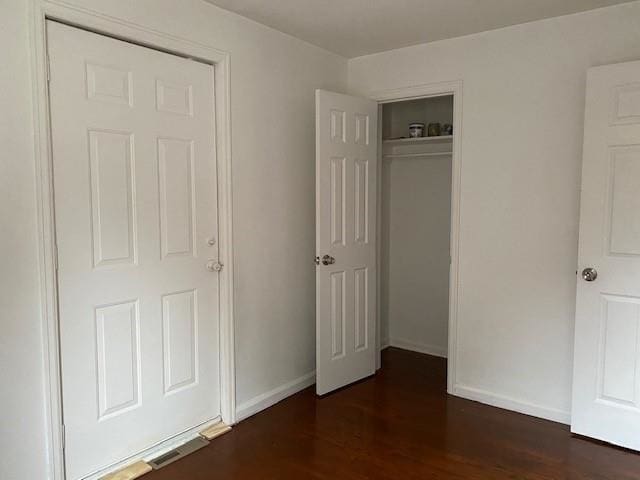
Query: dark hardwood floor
x=399 y=424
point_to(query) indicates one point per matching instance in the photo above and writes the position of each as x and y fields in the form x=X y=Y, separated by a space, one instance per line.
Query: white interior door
x=346 y=180
x=136 y=224
x=606 y=388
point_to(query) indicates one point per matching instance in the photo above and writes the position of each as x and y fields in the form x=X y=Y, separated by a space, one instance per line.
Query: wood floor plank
x=400 y=424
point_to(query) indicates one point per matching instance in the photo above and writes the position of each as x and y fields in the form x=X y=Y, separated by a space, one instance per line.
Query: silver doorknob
x=328 y=260
x=214 y=266
x=589 y=274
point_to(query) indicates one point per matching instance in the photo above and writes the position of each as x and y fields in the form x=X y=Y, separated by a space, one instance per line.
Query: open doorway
x=415 y=220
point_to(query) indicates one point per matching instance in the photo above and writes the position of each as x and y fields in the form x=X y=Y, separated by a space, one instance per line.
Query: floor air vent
x=179 y=452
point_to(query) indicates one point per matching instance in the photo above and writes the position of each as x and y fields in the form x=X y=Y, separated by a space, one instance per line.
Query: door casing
x=453 y=88
x=40 y=12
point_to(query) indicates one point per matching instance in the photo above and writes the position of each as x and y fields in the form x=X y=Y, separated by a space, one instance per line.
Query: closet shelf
x=418 y=140
x=415 y=155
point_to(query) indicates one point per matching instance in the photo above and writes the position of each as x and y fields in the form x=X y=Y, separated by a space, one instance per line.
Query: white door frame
x=42 y=10
x=412 y=93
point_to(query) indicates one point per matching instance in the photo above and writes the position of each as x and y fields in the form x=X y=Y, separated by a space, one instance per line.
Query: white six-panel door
x=346 y=180
x=606 y=383
x=136 y=226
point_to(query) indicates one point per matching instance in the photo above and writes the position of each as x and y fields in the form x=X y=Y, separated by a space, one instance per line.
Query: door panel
x=346 y=169
x=180 y=340
x=112 y=194
x=135 y=205
x=606 y=391
x=176 y=196
x=118 y=357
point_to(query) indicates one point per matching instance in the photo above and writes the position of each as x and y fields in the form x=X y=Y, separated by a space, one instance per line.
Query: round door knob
x=589 y=274
x=328 y=260
x=214 y=266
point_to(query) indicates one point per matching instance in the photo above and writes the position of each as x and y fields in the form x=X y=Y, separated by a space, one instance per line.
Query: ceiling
x=359 y=27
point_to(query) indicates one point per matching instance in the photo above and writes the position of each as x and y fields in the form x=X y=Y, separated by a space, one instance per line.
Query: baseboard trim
x=434 y=350
x=270 y=398
x=509 y=403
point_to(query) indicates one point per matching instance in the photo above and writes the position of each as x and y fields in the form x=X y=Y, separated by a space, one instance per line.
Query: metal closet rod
x=413 y=155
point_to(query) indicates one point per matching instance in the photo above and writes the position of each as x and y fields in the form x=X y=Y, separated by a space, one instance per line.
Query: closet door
x=346 y=179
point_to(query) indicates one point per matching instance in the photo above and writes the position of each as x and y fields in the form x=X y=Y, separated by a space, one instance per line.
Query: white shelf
x=418 y=140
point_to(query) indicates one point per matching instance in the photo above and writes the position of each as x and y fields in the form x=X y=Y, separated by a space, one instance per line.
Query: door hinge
x=48 y=68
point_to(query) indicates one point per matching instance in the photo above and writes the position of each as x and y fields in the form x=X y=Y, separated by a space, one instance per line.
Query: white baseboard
x=508 y=403
x=270 y=398
x=435 y=350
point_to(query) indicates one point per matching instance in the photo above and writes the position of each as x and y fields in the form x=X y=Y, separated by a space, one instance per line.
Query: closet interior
x=416 y=223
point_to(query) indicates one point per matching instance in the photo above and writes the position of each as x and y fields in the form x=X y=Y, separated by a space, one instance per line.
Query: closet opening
x=416 y=140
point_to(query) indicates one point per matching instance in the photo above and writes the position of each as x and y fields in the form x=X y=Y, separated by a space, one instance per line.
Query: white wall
x=416 y=220
x=521 y=154
x=273 y=78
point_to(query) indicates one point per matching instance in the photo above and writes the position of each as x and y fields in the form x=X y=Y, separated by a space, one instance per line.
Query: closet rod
x=412 y=155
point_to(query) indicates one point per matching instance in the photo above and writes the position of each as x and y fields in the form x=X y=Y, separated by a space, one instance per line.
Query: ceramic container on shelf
x=416 y=130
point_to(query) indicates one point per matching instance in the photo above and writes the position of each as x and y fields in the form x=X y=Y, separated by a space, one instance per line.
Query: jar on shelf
x=433 y=130
x=416 y=130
